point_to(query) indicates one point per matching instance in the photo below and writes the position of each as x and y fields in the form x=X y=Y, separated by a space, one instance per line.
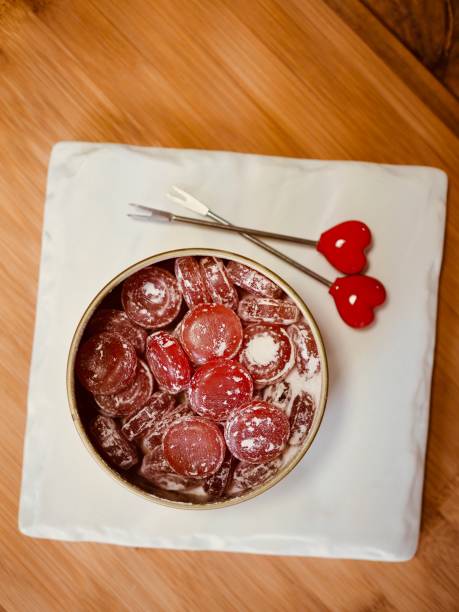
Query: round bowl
x=79 y=409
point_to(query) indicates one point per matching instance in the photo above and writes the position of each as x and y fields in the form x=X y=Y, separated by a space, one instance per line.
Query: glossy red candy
x=106 y=363
x=111 y=320
x=209 y=331
x=344 y=246
x=191 y=281
x=249 y=476
x=151 y=297
x=160 y=423
x=356 y=297
x=257 y=432
x=148 y=416
x=279 y=395
x=131 y=398
x=168 y=362
x=215 y=486
x=218 y=387
x=219 y=286
x=251 y=280
x=253 y=309
x=301 y=418
x=194 y=447
x=267 y=353
x=113 y=446
x=307 y=355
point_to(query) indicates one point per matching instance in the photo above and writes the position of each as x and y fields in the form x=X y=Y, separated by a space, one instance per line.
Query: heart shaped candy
x=356 y=297
x=344 y=246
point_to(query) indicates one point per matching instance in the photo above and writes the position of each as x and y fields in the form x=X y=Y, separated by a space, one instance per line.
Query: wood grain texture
x=430 y=29
x=400 y=59
x=275 y=77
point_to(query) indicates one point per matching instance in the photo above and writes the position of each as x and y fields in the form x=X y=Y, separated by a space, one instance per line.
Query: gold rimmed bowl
x=83 y=407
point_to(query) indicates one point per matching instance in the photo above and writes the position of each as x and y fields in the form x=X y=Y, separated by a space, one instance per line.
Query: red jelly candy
x=250 y=476
x=162 y=421
x=251 y=280
x=257 y=432
x=344 y=246
x=131 y=398
x=356 y=297
x=216 y=485
x=279 y=395
x=253 y=309
x=191 y=281
x=267 y=353
x=145 y=418
x=209 y=331
x=106 y=363
x=112 y=444
x=219 y=286
x=218 y=387
x=151 y=297
x=194 y=447
x=111 y=320
x=301 y=418
x=168 y=362
x=307 y=355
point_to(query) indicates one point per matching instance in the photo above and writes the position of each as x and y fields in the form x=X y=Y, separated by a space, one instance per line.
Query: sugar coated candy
x=148 y=416
x=111 y=320
x=251 y=280
x=156 y=470
x=209 y=331
x=257 y=432
x=218 y=387
x=254 y=309
x=307 y=355
x=168 y=361
x=151 y=297
x=249 y=476
x=219 y=286
x=153 y=434
x=301 y=418
x=267 y=352
x=132 y=397
x=279 y=395
x=194 y=447
x=191 y=282
x=215 y=486
x=106 y=363
x=153 y=463
x=171 y=482
x=112 y=444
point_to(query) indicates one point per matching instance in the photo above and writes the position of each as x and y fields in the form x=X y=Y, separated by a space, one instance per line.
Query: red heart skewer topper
x=356 y=297
x=344 y=246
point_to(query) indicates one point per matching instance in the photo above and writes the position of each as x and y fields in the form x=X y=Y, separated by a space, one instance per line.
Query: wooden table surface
x=309 y=78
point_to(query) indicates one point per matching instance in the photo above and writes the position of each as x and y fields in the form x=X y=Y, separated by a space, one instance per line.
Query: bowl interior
x=84 y=407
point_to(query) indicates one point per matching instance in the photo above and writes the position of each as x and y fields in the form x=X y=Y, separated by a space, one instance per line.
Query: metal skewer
x=183 y=198
x=164 y=215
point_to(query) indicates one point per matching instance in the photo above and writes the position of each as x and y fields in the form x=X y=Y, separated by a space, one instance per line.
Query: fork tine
x=141 y=206
x=186 y=197
x=138 y=217
x=176 y=191
x=174 y=198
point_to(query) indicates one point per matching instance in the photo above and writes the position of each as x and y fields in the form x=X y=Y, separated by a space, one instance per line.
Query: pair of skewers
x=344 y=245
